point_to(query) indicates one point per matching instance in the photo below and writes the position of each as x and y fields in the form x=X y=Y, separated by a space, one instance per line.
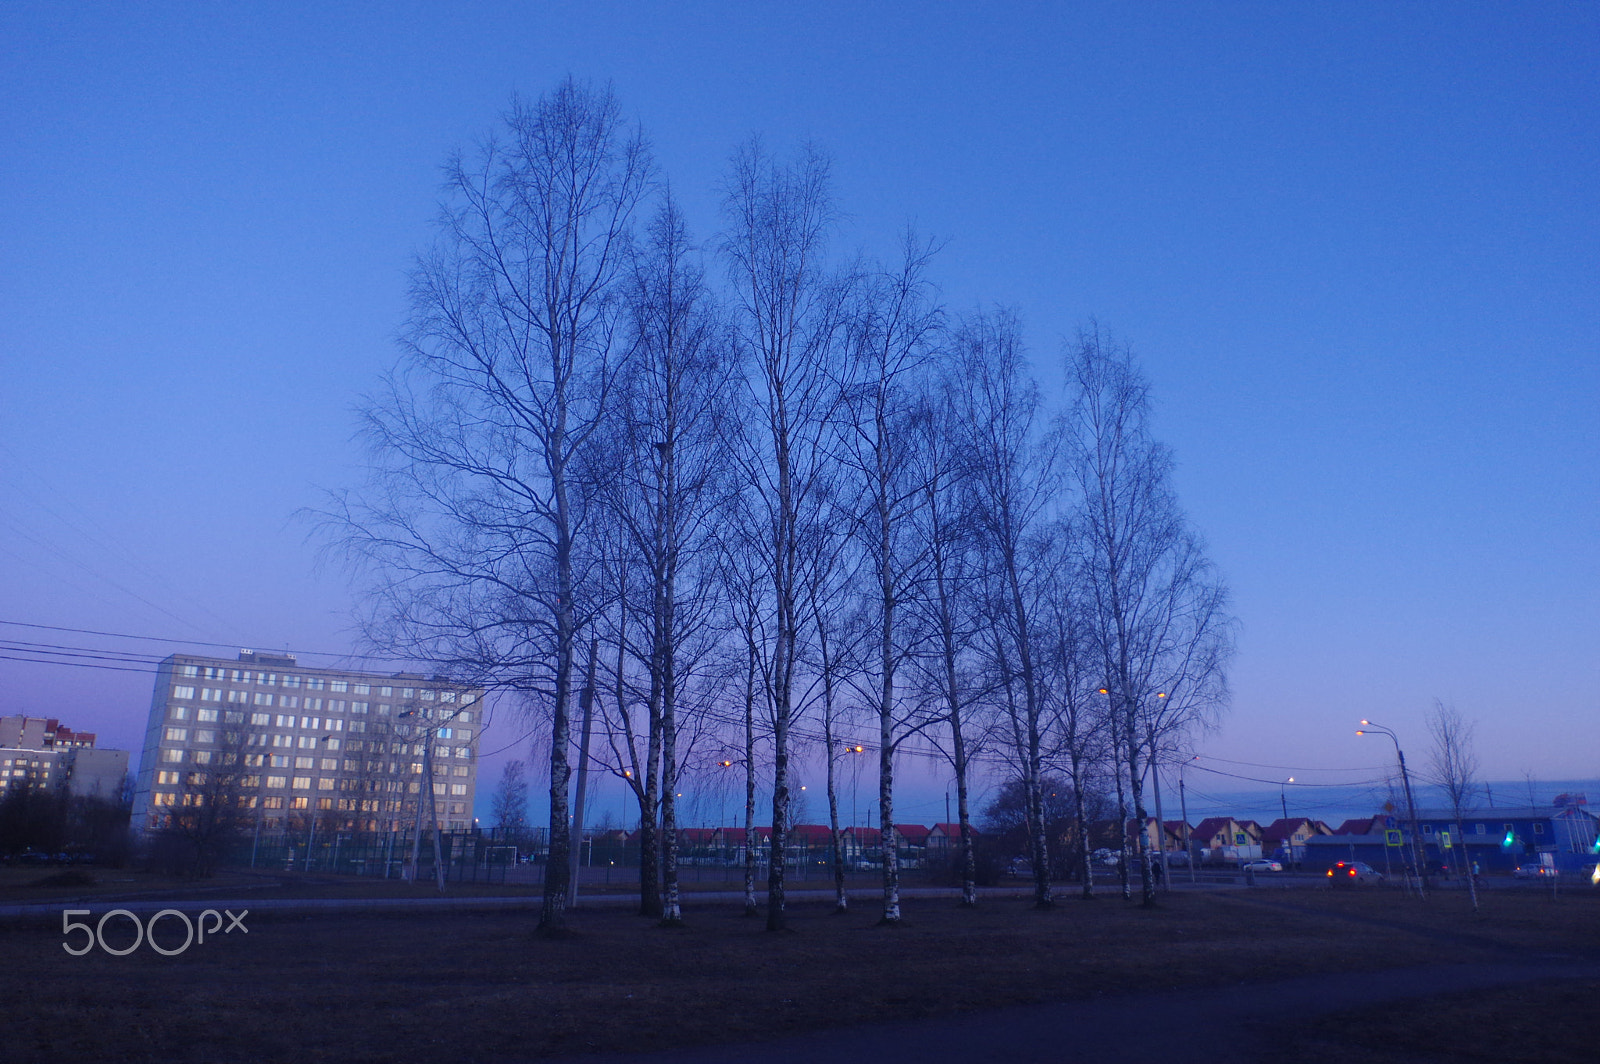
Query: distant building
x=1495 y=838
x=283 y=745
x=43 y=752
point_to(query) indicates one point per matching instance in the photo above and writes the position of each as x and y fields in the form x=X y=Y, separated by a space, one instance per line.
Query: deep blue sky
x=1357 y=247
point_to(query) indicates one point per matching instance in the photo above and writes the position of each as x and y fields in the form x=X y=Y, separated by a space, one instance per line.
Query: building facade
x=264 y=741
x=42 y=752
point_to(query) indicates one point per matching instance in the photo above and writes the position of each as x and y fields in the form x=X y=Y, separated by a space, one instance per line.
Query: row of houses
x=1495 y=838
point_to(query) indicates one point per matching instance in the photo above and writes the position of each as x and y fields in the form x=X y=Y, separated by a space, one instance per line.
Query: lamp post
x=1417 y=855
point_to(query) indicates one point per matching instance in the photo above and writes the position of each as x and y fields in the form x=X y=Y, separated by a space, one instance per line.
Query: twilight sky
x=1357 y=249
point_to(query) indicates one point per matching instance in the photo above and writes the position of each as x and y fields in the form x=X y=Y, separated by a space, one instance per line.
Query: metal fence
x=468 y=856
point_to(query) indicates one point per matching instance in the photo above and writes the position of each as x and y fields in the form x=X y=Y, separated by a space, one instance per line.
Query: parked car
x=1261 y=864
x=1349 y=873
x=1535 y=871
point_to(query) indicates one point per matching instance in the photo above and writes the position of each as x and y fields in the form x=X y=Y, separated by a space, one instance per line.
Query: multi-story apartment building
x=43 y=752
x=266 y=741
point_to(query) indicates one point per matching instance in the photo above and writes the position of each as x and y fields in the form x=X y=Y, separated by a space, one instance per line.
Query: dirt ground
x=429 y=986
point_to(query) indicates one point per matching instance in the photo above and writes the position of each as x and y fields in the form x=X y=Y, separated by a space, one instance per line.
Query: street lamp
x=1417 y=856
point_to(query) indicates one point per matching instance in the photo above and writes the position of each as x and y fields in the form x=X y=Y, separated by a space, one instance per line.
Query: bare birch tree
x=1157 y=612
x=892 y=332
x=1453 y=768
x=669 y=483
x=473 y=529
x=777 y=220
x=944 y=610
x=1013 y=464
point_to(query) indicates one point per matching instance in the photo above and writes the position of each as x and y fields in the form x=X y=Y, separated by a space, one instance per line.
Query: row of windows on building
x=1483 y=829
x=298 y=783
x=326 y=764
x=181 y=692
x=25 y=767
x=308 y=683
x=179 y=755
x=167 y=799
x=205 y=715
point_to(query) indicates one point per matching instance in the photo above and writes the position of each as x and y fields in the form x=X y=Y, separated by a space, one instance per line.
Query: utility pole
x=1183 y=808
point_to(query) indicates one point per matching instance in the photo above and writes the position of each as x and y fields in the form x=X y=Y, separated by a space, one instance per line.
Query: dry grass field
x=429 y=986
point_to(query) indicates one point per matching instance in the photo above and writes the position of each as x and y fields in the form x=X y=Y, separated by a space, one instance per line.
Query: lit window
x=277 y=782
x=272 y=802
x=177 y=735
x=305 y=762
x=325 y=784
x=165 y=798
x=301 y=783
x=461 y=770
x=205 y=714
x=458 y=788
x=172 y=756
x=299 y=803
